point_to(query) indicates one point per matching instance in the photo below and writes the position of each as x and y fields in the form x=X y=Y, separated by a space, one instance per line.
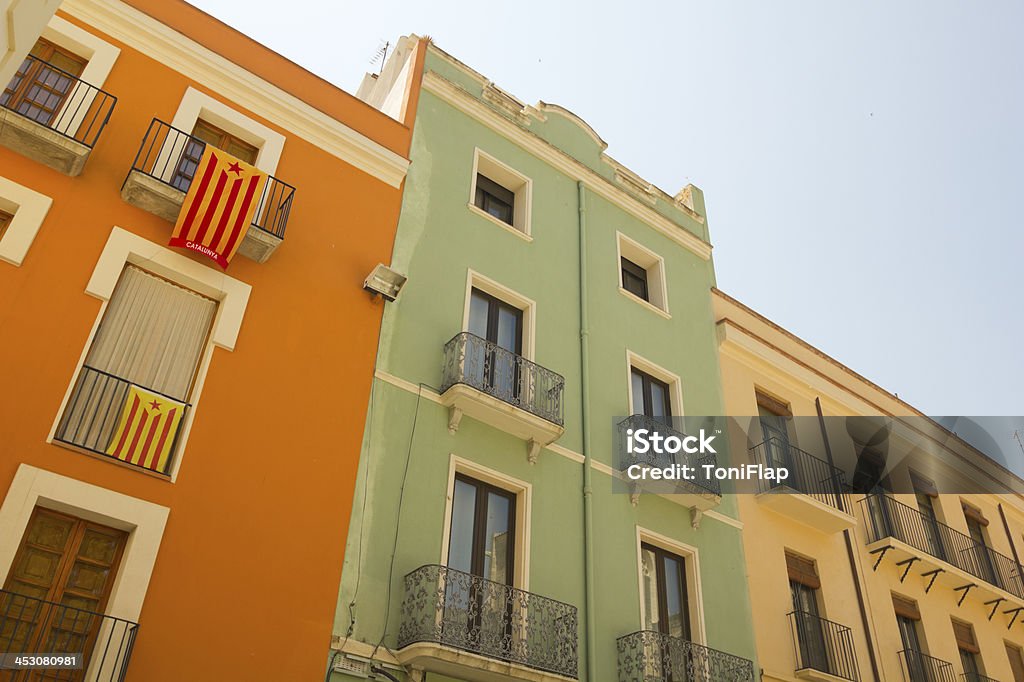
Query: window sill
x=647 y=304
x=519 y=233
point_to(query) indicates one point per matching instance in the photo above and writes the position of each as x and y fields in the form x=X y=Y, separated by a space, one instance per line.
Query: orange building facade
x=203 y=549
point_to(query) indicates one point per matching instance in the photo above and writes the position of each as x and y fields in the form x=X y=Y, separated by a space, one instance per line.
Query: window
x=775 y=419
x=66 y=560
x=482 y=536
x=132 y=392
x=666 y=601
x=1016 y=656
x=642 y=274
x=634 y=279
x=908 y=618
x=5 y=220
x=651 y=396
x=967 y=646
x=500 y=193
x=494 y=199
x=209 y=134
x=493 y=359
x=42 y=85
x=925 y=492
x=803 y=587
x=980 y=555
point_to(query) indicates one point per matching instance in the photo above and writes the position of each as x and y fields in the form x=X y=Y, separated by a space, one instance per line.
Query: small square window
x=634 y=279
x=494 y=199
x=501 y=194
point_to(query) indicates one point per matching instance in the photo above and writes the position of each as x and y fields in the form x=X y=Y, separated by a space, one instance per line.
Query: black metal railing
x=172 y=156
x=700 y=481
x=471 y=613
x=887 y=517
x=511 y=378
x=977 y=677
x=920 y=667
x=93 y=414
x=33 y=626
x=648 y=656
x=58 y=100
x=808 y=474
x=823 y=645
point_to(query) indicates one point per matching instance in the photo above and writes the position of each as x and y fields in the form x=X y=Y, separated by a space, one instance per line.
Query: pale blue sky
x=859 y=159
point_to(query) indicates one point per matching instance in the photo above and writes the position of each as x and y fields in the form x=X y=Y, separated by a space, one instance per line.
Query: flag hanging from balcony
x=146 y=430
x=219 y=206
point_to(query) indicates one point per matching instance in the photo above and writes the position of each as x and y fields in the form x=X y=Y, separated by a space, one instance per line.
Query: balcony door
x=493 y=359
x=980 y=554
x=203 y=134
x=42 y=85
x=913 y=654
x=667 y=612
x=809 y=627
x=72 y=563
x=651 y=396
x=481 y=546
x=773 y=416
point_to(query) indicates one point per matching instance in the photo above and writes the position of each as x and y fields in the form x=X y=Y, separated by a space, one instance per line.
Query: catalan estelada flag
x=146 y=430
x=219 y=206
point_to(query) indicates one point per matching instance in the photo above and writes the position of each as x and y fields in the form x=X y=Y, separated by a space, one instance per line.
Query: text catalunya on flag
x=219 y=206
x=147 y=429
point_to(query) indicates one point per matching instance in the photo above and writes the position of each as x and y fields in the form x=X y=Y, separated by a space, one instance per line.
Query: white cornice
x=471 y=106
x=239 y=86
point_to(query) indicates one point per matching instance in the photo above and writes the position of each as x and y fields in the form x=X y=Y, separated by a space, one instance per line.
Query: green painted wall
x=398 y=519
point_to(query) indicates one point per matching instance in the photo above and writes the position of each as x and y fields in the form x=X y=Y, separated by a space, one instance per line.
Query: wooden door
x=71 y=563
x=42 y=85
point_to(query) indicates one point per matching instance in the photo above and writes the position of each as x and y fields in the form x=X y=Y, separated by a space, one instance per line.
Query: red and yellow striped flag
x=219 y=206
x=145 y=433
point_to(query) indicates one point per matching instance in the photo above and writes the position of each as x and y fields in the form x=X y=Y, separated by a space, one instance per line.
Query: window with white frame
x=642 y=273
x=653 y=391
x=669 y=587
x=500 y=193
x=22 y=211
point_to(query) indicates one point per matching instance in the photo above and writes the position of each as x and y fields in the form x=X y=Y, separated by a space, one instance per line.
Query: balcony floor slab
x=39 y=143
x=806 y=510
x=463 y=665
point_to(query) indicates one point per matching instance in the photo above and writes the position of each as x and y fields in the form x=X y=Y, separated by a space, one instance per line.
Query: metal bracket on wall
x=995 y=605
x=907 y=563
x=966 y=589
x=933 y=574
x=881 y=555
x=1015 y=613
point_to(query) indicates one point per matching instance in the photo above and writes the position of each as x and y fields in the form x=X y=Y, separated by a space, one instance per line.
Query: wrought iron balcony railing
x=34 y=626
x=823 y=645
x=921 y=667
x=648 y=656
x=808 y=474
x=700 y=483
x=93 y=414
x=489 y=368
x=58 y=100
x=977 y=677
x=470 y=613
x=171 y=156
x=887 y=517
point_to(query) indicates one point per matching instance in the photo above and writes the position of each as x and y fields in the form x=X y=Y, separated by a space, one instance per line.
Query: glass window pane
x=674 y=599
x=637 y=381
x=478 y=313
x=498 y=539
x=460 y=543
x=659 y=400
x=508 y=329
x=649 y=571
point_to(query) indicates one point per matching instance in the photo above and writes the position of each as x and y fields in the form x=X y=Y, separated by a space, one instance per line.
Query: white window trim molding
x=675 y=385
x=197 y=105
x=124 y=247
x=690 y=555
x=523 y=207
x=100 y=54
x=29 y=209
x=474 y=280
x=660 y=281
x=145 y=521
x=524 y=501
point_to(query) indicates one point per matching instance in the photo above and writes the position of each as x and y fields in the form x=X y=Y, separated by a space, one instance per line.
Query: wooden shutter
x=773 y=405
x=1016 y=661
x=973 y=513
x=905 y=607
x=802 y=570
x=923 y=485
x=964 y=634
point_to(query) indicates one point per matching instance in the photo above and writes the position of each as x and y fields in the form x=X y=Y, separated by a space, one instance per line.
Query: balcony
x=814 y=493
x=495 y=386
x=468 y=627
x=919 y=667
x=648 y=656
x=699 y=493
x=34 y=626
x=902 y=533
x=161 y=175
x=824 y=650
x=977 y=677
x=53 y=117
x=93 y=414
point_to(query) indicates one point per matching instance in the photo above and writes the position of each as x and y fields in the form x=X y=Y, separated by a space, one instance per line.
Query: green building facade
x=551 y=293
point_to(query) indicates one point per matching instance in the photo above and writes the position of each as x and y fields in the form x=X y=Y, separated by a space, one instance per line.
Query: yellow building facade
x=892 y=551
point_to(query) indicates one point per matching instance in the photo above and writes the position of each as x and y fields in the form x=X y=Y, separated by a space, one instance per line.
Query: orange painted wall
x=246 y=580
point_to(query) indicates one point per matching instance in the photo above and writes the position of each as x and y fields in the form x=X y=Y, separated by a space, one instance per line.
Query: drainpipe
x=588 y=515
x=865 y=621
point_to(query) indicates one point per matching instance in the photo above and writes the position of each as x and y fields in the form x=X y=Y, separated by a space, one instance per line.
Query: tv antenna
x=1016 y=434
x=381 y=55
